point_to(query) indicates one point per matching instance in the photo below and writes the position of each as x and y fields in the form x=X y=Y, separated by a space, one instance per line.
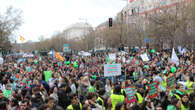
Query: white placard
x=144 y=57
x=112 y=70
x=1 y=60
x=123 y=59
x=174 y=57
x=112 y=56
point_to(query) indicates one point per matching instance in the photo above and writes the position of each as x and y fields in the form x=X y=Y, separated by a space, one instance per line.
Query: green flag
x=114 y=63
x=48 y=75
x=107 y=59
x=134 y=75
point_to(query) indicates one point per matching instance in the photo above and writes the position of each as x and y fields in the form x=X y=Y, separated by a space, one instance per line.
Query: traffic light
x=110 y=22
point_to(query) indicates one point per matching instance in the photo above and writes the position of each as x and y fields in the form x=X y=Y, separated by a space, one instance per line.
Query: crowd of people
x=78 y=83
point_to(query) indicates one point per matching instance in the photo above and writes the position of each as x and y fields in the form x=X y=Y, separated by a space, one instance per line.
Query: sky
x=46 y=17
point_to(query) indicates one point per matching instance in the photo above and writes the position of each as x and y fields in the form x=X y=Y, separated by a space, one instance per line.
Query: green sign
x=48 y=75
x=153 y=90
x=130 y=97
x=170 y=81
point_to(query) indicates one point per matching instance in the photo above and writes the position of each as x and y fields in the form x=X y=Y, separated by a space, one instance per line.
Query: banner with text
x=153 y=90
x=130 y=94
x=171 y=81
x=144 y=57
x=112 y=70
x=112 y=56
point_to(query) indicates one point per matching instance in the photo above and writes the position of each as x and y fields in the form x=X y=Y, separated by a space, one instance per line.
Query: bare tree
x=171 y=25
x=9 y=22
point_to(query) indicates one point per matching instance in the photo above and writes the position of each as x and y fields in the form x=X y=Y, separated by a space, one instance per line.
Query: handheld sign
x=48 y=75
x=1 y=60
x=144 y=57
x=66 y=48
x=130 y=94
x=171 y=81
x=153 y=89
x=112 y=56
x=112 y=70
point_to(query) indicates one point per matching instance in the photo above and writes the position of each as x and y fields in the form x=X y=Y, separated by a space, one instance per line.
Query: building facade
x=143 y=8
x=77 y=31
x=99 y=36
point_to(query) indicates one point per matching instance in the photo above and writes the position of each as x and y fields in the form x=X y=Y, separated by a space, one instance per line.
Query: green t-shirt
x=35 y=62
x=91 y=89
x=171 y=107
x=7 y=93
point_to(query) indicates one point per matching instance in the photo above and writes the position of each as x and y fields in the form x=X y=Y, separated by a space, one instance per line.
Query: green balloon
x=35 y=61
x=173 y=69
x=75 y=63
x=76 y=66
x=153 y=51
x=67 y=62
x=94 y=76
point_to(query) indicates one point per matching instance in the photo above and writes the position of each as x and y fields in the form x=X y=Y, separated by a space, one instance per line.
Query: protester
x=79 y=82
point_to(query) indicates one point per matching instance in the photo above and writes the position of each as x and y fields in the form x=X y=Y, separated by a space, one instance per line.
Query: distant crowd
x=79 y=82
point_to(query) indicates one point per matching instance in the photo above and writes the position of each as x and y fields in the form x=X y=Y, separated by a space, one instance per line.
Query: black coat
x=63 y=99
